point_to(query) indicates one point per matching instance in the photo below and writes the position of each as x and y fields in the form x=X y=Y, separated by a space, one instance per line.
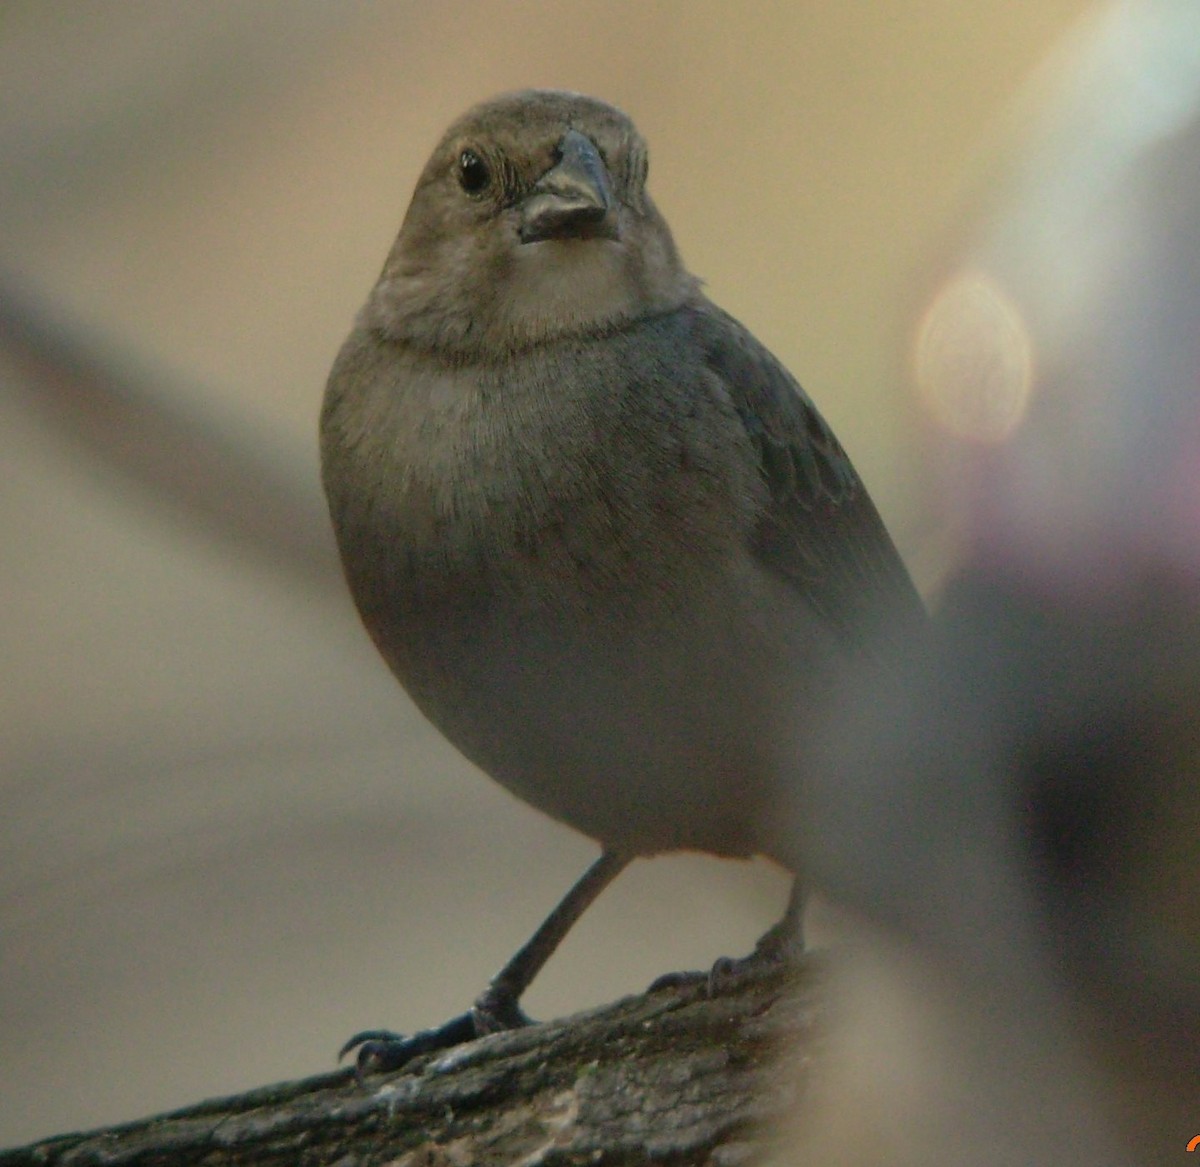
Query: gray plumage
x=596 y=529
x=599 y=533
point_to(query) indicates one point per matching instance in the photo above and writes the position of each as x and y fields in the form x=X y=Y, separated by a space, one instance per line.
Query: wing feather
x=820 y=530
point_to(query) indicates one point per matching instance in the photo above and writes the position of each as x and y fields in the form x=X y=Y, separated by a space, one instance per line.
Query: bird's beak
x=573 y=199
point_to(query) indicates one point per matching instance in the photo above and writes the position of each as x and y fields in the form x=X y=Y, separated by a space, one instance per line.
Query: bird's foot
x=778 y=948
x=381 y=1050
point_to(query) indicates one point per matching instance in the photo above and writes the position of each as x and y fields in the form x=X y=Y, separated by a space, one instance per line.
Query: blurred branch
x=672 y=1076
x=126 y=416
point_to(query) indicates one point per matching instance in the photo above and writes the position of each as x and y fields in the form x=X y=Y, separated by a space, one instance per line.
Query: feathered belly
x=648 y=721
x=599 y=641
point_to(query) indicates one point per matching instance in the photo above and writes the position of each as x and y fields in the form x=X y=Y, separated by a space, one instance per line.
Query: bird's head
x=529 y=223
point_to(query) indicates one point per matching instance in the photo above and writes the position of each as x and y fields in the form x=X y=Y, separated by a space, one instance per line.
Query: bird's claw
x=677 y=980
x=369 y=1037
x=774 y=951
x=724 y=974
x=381 y=1051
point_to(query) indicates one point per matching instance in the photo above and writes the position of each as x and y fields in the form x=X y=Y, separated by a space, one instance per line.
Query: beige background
x=228 y=840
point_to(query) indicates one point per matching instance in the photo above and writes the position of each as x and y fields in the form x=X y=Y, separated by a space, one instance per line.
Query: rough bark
x=675 y=1076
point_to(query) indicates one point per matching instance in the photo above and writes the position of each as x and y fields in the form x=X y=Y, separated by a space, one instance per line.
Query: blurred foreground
x=1015 y=807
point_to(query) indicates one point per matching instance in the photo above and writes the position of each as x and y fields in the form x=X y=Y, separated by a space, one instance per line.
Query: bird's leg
x=785 y=939
x=498 y=1006
x=781 y=943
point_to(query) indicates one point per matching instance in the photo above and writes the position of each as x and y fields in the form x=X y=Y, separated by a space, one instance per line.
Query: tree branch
x=671 y=1076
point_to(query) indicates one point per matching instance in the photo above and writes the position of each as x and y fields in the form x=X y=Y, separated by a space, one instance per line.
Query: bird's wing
x=820 y=530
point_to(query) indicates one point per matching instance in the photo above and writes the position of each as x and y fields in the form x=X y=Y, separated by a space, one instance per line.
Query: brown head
x=530 y=222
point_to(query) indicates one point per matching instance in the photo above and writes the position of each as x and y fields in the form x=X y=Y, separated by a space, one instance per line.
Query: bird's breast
x=466 y=500
x=567 y=479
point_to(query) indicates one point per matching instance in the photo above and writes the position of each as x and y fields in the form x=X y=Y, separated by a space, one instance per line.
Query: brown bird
x=599 y=533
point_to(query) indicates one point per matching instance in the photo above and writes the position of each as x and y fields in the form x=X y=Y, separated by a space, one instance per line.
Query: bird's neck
x=549 y=292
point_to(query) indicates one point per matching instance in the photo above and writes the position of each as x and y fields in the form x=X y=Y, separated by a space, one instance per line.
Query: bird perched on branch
x=599 y=533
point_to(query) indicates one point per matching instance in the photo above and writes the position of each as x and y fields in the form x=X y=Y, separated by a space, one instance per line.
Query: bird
x=600 y=535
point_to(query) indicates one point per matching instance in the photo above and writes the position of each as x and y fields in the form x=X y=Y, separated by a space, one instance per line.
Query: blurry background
x=228 y=841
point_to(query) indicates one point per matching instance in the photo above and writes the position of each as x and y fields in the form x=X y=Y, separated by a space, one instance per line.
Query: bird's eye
x=473 y=172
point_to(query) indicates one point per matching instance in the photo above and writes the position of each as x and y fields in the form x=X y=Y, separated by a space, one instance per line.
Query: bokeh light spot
x=974 y=359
